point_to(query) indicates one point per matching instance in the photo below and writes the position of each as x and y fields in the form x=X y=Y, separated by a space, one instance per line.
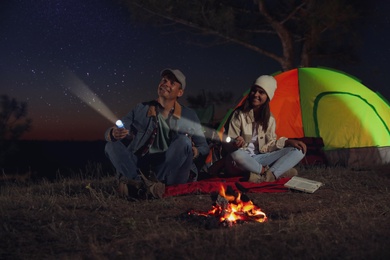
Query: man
x=165 y=137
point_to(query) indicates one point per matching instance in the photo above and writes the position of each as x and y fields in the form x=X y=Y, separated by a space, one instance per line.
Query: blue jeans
x=171 y=167
x=279 y=161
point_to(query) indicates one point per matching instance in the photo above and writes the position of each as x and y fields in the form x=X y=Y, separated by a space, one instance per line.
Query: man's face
x=168 y=88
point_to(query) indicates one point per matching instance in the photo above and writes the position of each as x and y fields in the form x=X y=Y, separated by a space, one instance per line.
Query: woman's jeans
x=279 y=161
x=171 y=167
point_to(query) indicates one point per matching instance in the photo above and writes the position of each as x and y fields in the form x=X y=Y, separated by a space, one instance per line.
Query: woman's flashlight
x=119 y=124
x=229 y=140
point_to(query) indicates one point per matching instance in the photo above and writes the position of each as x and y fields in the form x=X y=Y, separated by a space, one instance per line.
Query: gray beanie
x=178 y=74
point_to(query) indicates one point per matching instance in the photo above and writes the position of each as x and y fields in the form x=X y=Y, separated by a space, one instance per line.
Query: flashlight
x=189 y=132
x=229 y=140
x=119 y=124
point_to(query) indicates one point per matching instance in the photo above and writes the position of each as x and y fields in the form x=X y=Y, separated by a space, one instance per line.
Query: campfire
x=228 y=209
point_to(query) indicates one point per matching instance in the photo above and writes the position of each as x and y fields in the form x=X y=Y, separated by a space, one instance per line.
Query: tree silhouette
x=205 y=99
x=205 y=104
x=13 y=124
x=302 y=30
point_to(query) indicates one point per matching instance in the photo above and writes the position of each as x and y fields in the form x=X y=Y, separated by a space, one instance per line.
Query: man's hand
x=297 y=144
x=195 y=151
x=119 y=133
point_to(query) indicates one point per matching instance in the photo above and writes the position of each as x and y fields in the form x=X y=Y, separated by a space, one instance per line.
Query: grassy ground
x=348 y=218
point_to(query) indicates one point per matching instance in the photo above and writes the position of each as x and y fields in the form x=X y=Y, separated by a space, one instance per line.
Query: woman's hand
x=119 y=133
x=239 y=142
x=297 y=144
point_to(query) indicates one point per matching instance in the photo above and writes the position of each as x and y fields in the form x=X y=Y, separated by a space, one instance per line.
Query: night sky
x=46 y=45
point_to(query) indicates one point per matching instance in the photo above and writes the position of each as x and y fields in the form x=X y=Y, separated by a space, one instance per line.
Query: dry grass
x=83 y=218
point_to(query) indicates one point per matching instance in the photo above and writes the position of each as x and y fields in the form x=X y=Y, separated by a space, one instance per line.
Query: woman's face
x=257 y=96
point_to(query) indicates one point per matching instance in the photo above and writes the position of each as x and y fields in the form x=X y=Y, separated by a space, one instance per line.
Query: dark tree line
x=13 y=124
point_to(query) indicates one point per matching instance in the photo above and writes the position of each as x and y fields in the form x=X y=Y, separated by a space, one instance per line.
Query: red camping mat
x=214 y=185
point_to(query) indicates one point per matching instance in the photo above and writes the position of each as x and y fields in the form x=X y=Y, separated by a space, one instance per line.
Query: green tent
x=352 y=120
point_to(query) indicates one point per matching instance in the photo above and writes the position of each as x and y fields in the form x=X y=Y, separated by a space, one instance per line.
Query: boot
x=269 y=176
x=256 y=178
x=131 y=189
x=290 y=173
x=154 y=188
x=122 y=189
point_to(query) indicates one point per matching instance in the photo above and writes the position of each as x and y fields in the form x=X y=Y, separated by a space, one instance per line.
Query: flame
x=230 y=209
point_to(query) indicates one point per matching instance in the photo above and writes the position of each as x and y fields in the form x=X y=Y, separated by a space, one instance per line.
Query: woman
x=255 y=147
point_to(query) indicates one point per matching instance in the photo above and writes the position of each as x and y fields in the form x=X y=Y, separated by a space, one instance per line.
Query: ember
x=231 y=209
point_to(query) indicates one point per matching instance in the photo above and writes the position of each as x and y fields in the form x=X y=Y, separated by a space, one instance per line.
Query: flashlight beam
x=209 y=130
x=77 y=87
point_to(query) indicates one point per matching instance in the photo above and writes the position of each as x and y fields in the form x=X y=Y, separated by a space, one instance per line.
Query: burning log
x=227 y=210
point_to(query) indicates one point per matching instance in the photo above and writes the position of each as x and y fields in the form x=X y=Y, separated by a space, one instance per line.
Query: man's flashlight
x=119 y=124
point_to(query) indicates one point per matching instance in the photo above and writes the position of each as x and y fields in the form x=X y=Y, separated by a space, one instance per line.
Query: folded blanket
x=207 y=186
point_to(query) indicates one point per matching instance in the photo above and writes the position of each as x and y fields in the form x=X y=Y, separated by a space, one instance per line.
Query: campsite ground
x=83 y=218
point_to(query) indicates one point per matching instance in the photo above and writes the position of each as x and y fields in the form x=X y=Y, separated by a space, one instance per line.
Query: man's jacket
x=141 y=123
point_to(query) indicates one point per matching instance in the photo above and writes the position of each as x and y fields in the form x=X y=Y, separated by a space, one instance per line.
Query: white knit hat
x=268 y=83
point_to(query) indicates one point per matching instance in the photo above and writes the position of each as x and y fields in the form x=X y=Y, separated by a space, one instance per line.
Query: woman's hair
x=265 y=112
